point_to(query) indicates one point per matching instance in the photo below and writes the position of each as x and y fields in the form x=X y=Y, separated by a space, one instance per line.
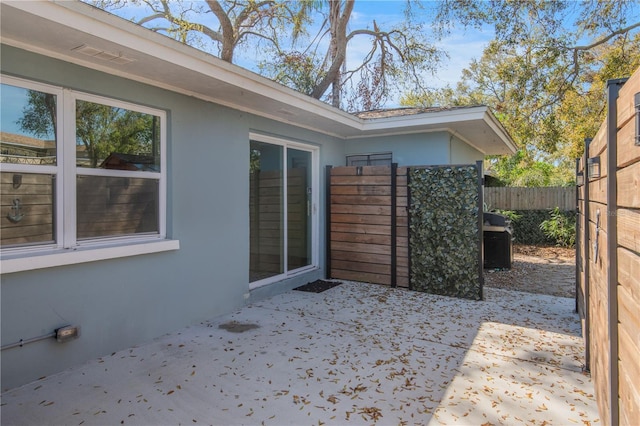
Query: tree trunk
x=338 y=50
x=228 y=33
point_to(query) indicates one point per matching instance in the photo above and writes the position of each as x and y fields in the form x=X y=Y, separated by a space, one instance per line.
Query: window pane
x=28 y=126
x=115 y=206
x=115 y=138
x=266 y=214
x=298 y=209
x=27 y=208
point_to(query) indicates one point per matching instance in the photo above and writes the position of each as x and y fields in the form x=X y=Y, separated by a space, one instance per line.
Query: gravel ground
x=541 y=270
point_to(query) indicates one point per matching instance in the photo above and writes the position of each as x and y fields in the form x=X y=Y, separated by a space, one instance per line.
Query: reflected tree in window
x=101 y=130
x=104 y=130
x=39 y=115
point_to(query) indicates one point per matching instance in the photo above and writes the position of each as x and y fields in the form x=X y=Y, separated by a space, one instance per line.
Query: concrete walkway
x=356 y=354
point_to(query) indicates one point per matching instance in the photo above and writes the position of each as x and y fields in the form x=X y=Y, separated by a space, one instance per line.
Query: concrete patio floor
x=356 y=354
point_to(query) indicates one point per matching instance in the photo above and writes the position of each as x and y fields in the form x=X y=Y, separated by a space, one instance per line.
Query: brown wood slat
x=366 y=171
x=629 y=186
x=629 y=394
x=360 y=209
x=629 y=320
x=629 y=229
x=598 y=191
x=629 y=369
x=371 y=200
x=593 y=211
x=629 y=272
x=361 y=229
x=360 y=238
x=402 y=282
x=361 y=276
x=360 y=180
x=361 y=190
x=361 y=219
x=375 y=268
x=599 y=142
x=625 y=102
x=628 y=152
x=361 y=257
x=361 y=248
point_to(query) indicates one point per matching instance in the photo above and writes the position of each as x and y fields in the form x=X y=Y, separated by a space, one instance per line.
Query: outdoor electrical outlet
x=66 y=333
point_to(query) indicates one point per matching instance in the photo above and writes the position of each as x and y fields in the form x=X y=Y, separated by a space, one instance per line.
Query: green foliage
x=526 y=226
x=39 y=117
x=511 y=214
x=521 y=169
x=102 y=129
x=293 y=69
x=543 y=75
x=444 y=233
x=561 y=228
x=526 y=230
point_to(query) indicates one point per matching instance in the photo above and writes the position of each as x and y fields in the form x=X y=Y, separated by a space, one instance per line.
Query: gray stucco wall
x=123 y=302
x=463 y=153
x=417 y=149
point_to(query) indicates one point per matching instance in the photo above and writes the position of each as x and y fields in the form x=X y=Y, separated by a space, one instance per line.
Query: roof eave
x=162 y=60
x=487 y=134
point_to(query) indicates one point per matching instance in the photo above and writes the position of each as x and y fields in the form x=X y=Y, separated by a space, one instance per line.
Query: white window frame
x=67 y=249
x=315 y=197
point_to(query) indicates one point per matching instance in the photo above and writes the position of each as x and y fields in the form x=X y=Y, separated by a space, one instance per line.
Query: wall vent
x=116 y=58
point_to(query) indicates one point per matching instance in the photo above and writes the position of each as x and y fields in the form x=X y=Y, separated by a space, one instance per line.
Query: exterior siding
x=119 y=303
x=462 y=153
x=417 y=149
x=408 y=150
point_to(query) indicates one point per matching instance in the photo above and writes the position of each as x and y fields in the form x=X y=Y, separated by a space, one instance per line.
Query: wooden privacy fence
x=367 y=220
x=521 y=198
x=608 y=256
x=370 y=236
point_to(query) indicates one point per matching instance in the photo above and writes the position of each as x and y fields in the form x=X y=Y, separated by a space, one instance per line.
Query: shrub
x=561 y=228
x=511 y=214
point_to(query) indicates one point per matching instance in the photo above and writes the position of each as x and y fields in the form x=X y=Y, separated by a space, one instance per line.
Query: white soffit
x=79 y=33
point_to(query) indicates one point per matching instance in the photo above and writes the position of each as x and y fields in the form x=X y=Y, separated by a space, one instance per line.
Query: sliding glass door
x=282 y=210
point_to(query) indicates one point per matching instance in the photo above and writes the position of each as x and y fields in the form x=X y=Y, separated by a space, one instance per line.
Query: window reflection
x=27 y=201
x=28 y=134
x=116 y=138
x=266 y=215
x=116 y=206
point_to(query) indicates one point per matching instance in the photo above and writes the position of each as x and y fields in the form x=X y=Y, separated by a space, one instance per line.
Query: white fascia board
x=94 y=21
x=500 y=131
x=425 y=119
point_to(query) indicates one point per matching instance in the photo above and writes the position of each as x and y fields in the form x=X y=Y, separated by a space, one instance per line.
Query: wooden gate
x=367 y=224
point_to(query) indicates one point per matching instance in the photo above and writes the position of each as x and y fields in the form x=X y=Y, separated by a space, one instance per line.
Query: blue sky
x=461 y=45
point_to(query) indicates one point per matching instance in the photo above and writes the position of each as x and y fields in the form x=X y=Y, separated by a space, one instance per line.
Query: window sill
x=61 y=257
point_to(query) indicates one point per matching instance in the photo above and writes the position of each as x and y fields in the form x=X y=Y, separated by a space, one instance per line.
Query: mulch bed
x=318 y=286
